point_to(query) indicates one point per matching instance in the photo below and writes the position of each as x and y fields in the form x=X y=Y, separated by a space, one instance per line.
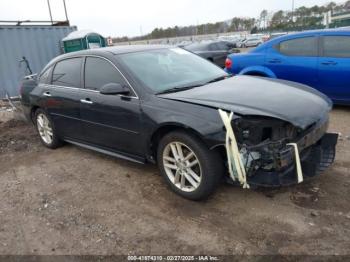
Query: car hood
x=246 y=95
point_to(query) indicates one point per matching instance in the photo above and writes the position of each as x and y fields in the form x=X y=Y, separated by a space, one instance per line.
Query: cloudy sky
x=130 y=17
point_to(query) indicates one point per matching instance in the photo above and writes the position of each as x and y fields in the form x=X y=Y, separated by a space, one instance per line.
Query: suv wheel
x=188 y=166
x=46 y=129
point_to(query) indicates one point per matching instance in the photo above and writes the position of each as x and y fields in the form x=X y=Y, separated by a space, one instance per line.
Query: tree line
x=299 y=19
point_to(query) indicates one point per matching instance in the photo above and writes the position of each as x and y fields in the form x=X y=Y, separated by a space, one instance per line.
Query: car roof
x=310 y=32
x=114 y=50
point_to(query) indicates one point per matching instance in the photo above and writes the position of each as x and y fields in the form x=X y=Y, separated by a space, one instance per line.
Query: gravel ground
x=75 y=201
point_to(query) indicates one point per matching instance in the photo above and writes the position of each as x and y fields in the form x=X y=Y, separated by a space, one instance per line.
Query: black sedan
x=214 y=51
x=161 y=105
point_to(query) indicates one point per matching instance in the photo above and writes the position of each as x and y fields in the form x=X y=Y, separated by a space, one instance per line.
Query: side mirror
x=114 y=89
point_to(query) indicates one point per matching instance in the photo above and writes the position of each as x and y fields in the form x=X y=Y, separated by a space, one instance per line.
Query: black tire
x=56 y=142
x=211 y=164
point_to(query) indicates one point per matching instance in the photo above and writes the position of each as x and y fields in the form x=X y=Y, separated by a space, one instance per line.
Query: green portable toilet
x=83 y=39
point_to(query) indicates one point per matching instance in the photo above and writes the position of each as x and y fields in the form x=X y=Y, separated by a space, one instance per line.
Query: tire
x=46 y=131
x=208 y=171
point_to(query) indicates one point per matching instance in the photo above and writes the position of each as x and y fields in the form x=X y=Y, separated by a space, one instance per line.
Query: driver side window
x=99 y=72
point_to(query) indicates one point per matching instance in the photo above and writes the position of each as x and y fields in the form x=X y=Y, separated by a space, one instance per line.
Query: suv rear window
x=306 y=46
x=336 y=46
x=67 y=72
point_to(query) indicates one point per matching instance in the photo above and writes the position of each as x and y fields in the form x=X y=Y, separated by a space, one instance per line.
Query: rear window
x=306 y=46
x=336 y=46
x=67 y=72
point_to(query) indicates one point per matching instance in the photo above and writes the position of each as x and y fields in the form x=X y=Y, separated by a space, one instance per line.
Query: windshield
x=166 y=69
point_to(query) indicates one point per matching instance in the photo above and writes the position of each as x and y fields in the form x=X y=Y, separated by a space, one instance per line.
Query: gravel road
x=75 y=201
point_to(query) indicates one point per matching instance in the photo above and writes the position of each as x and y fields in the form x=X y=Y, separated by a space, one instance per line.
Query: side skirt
x=107 y=152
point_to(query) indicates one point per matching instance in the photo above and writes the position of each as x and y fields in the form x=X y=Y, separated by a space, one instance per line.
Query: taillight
x=228 y=63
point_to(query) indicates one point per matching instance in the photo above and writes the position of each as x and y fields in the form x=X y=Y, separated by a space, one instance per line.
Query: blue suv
x=320 y=59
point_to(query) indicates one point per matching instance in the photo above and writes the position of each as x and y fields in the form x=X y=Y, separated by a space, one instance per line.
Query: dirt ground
x=75 y=201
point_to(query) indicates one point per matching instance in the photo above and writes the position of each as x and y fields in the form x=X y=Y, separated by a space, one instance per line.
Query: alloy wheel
x=182 y=166
x=44 y=128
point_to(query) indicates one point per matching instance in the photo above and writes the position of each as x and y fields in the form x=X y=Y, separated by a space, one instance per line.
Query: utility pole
x=48 y=4
x=292 y=10
x=65 y=11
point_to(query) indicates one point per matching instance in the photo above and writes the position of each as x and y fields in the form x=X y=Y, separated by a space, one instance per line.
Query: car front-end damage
x=275 y=124
x=267 y=154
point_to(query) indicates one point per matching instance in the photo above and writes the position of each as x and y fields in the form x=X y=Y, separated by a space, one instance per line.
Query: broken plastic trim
x=297 y=162
x=234 y=159
x=236 y=168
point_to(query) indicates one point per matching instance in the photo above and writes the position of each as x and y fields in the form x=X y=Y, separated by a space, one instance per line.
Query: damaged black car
x=165 y=105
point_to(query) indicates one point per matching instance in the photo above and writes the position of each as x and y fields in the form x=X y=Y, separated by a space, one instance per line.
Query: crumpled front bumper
x=314 y=160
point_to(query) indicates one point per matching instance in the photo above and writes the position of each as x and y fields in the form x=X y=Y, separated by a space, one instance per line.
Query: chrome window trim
x=90 y=90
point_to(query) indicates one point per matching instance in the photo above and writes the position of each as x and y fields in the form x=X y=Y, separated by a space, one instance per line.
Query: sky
x=136 y=17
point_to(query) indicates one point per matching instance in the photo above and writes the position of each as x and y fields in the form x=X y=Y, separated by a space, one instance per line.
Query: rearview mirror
x=114 y=89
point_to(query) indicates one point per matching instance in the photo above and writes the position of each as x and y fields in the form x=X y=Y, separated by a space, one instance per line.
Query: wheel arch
x=258 y=70
x=164 y=129
x=32 y=112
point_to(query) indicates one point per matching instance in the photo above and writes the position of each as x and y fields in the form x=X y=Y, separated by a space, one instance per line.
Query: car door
x=334 y=67
x=62 y=97
x=295 y=60
x=109 y=121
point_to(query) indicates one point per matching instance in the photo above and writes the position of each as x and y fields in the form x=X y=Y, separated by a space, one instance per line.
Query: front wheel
x=188 y=166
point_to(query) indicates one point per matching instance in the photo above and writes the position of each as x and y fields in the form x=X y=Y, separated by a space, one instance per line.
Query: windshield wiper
x=218 y=79
x=179 y=88
x=182 y=88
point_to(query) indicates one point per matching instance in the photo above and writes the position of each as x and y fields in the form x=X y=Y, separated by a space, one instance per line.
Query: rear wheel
x=46 y=129
x=188 y=166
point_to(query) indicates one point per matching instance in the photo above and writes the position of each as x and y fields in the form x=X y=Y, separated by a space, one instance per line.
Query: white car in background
x=250 y=42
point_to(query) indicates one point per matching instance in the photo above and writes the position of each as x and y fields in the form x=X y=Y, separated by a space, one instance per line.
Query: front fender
x=174 y=114
x=260 y=70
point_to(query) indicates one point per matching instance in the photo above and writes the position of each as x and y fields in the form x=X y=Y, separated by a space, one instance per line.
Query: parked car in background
x=214 y=51
x=275 y=35
x=234 y=39
x=320 y=59
x=184 y=43
x=160 y=104
x=250 y=42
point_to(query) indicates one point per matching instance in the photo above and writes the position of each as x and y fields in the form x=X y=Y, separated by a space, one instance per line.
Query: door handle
x=46 y=93
x=275 y=61
x=329 y=63
x=86 y=101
